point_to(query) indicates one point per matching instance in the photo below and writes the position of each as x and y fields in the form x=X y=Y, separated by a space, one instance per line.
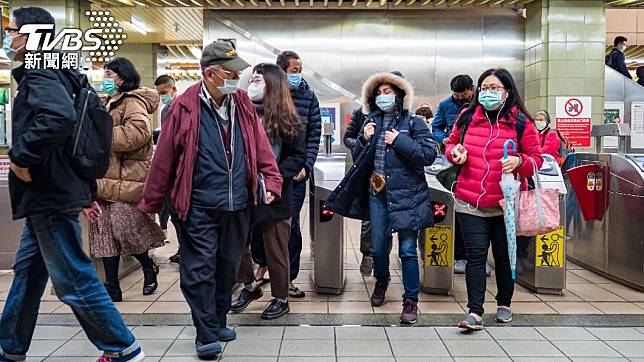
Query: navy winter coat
x=406 y=188
x=308 y=108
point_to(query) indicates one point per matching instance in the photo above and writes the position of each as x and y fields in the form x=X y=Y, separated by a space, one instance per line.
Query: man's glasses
x=10 y=31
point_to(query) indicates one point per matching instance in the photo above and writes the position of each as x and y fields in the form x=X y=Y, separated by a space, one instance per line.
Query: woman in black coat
x=387 y=182
x=269 y=91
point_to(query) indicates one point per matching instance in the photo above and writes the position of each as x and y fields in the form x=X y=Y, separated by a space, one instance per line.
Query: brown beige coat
x=131 y=145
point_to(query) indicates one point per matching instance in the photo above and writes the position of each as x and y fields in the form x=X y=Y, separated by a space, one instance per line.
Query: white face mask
x=541 y=125
x=256 y=91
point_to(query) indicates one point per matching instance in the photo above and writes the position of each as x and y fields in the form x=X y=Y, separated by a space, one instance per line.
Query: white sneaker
x=459 y=266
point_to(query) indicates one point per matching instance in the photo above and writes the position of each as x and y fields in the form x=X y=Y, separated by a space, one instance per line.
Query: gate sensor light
x=440 y=211
x=325 y=215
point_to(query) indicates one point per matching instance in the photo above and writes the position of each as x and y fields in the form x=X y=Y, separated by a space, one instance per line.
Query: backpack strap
x=520 y=125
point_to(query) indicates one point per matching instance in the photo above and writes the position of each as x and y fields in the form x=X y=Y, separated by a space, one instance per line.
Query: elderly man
x=211 y=150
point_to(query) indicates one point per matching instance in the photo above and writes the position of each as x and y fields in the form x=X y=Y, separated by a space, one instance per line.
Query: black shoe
x=244 y=299
x=379 y=291
x=114 y=290
x=275 y=309
x=150 y=283
x=174 y=258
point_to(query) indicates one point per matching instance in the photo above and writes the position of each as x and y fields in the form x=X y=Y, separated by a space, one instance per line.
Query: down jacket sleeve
x=352 y=132
x=418 y=146
x=135 y=131
x=54 y=118
x=313 y=134
x=451 y=141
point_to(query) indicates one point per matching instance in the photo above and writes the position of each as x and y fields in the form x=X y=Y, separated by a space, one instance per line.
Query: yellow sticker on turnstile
x=550 y=249
x=438 y=246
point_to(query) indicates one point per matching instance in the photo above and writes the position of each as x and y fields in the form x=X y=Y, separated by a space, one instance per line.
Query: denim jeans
x=51 y=246
x=477 y=233
x=381 y=247
x=295 y=240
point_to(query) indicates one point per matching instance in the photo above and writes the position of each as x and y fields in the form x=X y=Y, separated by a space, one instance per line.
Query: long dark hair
x=127 y=72
x=280 y=114
x=513 y=100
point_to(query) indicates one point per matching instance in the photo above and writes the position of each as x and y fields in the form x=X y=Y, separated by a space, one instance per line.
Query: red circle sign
x=573 y=107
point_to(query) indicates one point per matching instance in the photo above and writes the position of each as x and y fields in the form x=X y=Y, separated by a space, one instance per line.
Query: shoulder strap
x=520 y=125
x=461 y=137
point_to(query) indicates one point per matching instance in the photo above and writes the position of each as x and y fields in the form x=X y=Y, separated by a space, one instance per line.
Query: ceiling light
x=196 y=52
x=138 y=25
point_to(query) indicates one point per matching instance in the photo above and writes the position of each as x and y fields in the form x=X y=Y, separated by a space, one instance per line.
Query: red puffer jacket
x=549 y=141
x=478 y=183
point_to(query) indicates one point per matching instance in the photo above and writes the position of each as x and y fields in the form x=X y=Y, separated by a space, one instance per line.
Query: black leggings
x=111 y=266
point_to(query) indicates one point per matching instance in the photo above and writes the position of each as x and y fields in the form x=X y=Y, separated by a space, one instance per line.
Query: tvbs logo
x=69 y=39
x=101 y=41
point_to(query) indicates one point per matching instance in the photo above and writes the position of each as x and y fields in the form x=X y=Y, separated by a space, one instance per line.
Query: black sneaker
x=275 y=309
x=379 y=291
x=244 y=299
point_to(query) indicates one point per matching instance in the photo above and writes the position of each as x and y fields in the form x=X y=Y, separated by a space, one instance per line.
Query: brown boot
x=379 y=291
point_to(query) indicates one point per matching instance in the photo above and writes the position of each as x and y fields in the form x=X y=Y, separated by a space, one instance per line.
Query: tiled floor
x=172 y=343
x=587 y=293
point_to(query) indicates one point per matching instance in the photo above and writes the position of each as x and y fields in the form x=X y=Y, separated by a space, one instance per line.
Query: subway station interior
x=580 y=289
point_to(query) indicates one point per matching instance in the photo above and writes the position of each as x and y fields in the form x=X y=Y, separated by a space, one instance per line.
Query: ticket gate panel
x=541 y=260
x=437 y=243
x=588 y=241
x=328 y=230
x=625 y=260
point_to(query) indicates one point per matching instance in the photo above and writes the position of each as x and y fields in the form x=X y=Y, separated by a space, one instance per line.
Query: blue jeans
x=295 y=240
x=381 y=247
x=51 y=246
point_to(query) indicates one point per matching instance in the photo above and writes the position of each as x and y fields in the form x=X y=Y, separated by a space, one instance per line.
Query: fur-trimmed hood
x=376 y=79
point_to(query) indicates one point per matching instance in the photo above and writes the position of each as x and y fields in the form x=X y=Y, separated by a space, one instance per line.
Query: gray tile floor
x=354 y=343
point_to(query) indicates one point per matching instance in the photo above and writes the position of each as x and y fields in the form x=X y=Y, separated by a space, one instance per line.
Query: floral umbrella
x=510 y=187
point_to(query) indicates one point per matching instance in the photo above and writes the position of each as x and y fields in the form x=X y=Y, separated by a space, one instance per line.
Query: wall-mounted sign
x=573 y=118
x=5 y=163
x=613 y=113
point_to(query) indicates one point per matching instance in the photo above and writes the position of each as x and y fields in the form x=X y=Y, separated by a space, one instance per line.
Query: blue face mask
x=109 y=86
x=491 y=100
x=6 y=46
x=386 y=102
x=165 y=98
x=294 y=79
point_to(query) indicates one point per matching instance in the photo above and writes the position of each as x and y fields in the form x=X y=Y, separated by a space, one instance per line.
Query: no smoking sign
x=573 y=107
x=573 y=119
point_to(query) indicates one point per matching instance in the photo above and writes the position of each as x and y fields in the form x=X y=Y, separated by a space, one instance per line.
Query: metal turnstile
x=607 y=233
x=437 y=243
x=327 y=229
x=541 y=260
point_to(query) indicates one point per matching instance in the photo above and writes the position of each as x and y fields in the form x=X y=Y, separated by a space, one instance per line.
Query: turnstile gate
x=437 y=243
x=541 y=260
x=327 y=229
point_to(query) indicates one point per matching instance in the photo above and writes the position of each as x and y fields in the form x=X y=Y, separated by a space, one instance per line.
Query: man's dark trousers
x=212 y=244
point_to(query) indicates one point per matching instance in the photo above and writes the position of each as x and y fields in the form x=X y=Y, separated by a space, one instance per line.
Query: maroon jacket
x=174 y=160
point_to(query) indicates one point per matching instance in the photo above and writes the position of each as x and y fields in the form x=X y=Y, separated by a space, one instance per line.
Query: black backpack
x=91 y=142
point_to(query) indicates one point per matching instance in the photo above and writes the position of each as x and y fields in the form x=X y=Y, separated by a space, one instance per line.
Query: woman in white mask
x=550 y=142
x=269 y=91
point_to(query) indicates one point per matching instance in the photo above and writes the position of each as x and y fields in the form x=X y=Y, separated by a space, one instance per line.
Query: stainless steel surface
x=539 y=278
x=620 y=130
x=614 y=246
x=618 y=88
x=328 y=232
x=327 y=133
x=345 y=47
x=438 y=277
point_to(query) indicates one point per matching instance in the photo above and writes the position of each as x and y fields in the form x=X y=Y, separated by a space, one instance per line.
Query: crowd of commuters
x=229 y=169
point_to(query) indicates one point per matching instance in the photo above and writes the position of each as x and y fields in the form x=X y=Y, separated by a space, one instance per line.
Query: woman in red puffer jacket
x=548 y=137
x=495 y=115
